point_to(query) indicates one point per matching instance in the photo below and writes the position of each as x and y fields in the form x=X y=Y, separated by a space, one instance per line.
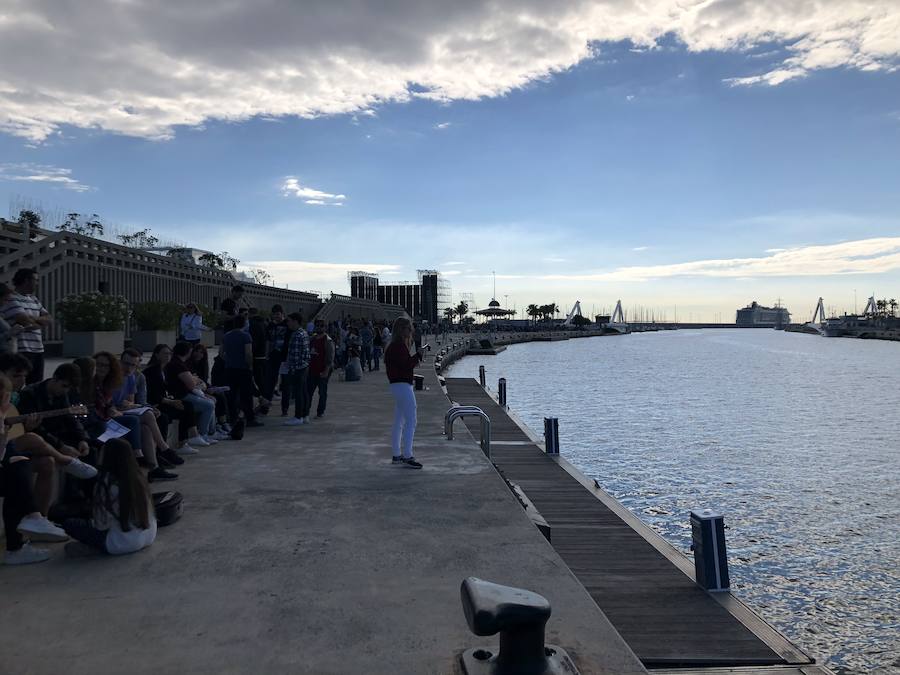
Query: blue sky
x=683 y=168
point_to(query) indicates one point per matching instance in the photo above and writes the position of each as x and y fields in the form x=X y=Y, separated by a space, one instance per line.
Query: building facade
x=424 y=300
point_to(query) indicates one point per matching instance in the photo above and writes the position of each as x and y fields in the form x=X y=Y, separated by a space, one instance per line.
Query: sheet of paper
x=113 y=430
x=137 y=411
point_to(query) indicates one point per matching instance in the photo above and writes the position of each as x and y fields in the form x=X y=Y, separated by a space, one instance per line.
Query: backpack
x=168 y=507
x=237 y=429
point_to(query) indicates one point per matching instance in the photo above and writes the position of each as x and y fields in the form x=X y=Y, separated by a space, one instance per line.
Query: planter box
x=146 y=340
x=88 y=343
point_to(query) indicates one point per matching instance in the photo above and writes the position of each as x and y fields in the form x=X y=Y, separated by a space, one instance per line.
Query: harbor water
x=795 y=438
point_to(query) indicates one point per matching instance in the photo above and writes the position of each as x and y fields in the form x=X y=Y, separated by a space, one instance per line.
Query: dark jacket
x=57 y=431
x=399 y=364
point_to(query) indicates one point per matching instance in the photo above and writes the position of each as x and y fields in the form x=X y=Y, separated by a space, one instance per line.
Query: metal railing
x=470 y=411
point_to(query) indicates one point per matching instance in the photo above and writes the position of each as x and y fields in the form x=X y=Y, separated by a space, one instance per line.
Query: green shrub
x=156 y=315
x=93 y=312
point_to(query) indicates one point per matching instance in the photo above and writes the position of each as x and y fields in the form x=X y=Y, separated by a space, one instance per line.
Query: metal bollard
x=501 y=392
x=551 y=435
x=481 y=375
x=710 y=557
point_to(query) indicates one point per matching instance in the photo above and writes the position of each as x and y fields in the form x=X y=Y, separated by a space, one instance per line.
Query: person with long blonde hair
x=400 y=362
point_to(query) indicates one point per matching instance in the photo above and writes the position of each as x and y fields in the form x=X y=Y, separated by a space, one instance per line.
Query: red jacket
x=399 y=364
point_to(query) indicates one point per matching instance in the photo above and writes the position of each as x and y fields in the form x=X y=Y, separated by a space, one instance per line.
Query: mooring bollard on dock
x=501 y=392
x=481 y=379
x=520 y=616
x=710 y=556
x=551 y=435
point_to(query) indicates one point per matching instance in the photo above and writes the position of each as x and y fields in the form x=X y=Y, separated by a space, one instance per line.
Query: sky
x=685 y=157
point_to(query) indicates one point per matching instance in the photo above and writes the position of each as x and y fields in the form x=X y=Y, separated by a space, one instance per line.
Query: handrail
x=470 y=411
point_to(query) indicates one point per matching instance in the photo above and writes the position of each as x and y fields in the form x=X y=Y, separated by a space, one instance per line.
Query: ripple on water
x=792 y=436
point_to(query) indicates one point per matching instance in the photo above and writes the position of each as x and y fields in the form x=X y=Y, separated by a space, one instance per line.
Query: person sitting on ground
x=108 y=379
x=183 y=386
x=21 y=515
x=130 y=399
x=159 y=397
x=23 y=441
x=123 y=517
x=212 y=382
x=298 y=369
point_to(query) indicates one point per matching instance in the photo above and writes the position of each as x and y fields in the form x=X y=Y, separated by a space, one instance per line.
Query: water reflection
x=793 y=437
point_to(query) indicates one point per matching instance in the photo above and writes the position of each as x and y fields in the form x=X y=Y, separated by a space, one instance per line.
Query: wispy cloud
x=640 y=248
x=41 y=173
x=292 y=188
x=442 y=125
x=864 y=256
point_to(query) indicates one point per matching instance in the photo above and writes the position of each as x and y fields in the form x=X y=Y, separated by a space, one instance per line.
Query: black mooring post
x=481 y=379
x=501 y=391
x=551 y=435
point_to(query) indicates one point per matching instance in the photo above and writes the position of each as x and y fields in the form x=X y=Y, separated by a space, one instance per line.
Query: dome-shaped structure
x=493 y=303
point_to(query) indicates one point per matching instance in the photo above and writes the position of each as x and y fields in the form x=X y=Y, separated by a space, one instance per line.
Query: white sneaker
x=221 y=436
x=306 y=420
x=210 y=440
x=187 y=449
x=38 y=528
x=199 y=442
x=293 y=422
x=79 y=469
x=26 y=555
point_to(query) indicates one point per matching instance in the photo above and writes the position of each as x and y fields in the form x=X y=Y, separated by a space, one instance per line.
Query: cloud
x=292 y=188
x=186 y=63
x=40 y=173
x=864 y=256
x=640 y=248
x=453 y=263
x=318 y=276
x=442 y=125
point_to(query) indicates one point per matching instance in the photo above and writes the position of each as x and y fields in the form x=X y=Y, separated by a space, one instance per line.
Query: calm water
x=794 y=437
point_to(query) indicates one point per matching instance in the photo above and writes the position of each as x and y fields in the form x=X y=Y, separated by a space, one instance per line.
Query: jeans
x=83 y=531
x=319 y=382
x=367 y=355
x=133 y=422
x=18 y=500
x=273 y=365
x=301 y=394
x=376 y=356
x=404 y=419
x=204 y=409
x=240 y=380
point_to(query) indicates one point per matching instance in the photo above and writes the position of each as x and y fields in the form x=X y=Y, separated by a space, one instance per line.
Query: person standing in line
x=276 y=347
x=25 y=310
x=377 y=346
x=367 y=337
x=191 y=324
x=237 y=346
x=321 y=362
x=400 y=364
x=8 y=332
x=257 y=331
x=298 y=369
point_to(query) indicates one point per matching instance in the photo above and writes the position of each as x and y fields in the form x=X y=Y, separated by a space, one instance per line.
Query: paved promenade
x=302 y=550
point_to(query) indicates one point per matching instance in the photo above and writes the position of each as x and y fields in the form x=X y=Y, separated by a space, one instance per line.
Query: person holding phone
x=400 y=363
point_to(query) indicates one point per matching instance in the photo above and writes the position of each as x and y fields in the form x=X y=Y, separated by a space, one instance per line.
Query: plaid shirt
x=298 y=353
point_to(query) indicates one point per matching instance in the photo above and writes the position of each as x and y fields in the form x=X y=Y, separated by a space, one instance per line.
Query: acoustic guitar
x=14 y=420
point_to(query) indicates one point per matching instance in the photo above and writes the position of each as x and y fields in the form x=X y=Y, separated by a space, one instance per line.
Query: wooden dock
x=643 y=585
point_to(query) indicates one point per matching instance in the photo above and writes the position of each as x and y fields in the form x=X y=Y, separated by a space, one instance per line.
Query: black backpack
x=237 y=429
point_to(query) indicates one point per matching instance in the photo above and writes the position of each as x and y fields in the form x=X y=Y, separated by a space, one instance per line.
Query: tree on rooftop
x=139 y=239
x=29 y=219
x=76 y=224
x=261 y=277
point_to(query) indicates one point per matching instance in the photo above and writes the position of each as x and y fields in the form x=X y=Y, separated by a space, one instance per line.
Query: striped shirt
x=29 y=340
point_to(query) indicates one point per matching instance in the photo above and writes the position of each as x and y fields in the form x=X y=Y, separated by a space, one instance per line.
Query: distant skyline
x=699 y=155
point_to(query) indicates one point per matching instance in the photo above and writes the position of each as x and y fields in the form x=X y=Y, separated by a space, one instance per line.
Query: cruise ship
x=755 y=315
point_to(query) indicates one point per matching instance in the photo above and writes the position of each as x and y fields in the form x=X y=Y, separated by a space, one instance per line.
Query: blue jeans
x=206 y=413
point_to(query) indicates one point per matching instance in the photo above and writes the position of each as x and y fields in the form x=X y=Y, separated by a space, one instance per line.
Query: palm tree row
x=542 y=312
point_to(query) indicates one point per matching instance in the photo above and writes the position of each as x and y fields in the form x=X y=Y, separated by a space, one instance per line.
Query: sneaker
x=396 y=460
x=320 y=416
x=160 y=474
x=199 y=442
x=412 y=463
x=188 y=449
x=293 y=422
x=79 y=469
x=26 y=555
x=226 y=427
x=163 y=462
x=221 y=436
x=38 y=528
x=210 y=440
x=171 y=456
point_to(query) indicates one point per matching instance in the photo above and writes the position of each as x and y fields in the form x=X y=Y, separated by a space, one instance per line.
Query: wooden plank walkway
x=661 y=613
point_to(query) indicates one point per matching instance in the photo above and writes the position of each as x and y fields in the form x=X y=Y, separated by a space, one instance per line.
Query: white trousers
x=404 y=419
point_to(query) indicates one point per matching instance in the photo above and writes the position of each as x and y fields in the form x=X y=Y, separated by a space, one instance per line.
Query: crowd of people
x=104 y=420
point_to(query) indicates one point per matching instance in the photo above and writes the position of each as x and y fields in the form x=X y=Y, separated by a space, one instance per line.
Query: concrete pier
x=303 y=550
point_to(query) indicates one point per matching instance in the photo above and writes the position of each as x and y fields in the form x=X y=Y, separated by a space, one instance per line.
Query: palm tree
x=533 y=311
x=461 y=310
x=450 y=313
x=880 y=306
x=892 y=303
